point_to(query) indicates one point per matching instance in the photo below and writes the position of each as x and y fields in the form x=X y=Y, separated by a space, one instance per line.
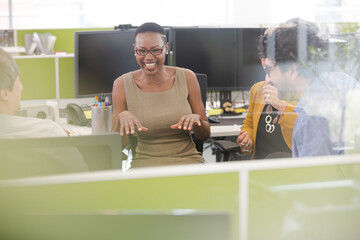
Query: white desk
x=228 y=126
x=75 y=130
x=216 y=130
x=225 y=131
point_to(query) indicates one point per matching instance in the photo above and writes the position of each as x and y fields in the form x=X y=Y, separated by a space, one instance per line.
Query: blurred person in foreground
x=297 y=62
x=44 y=161
x=268 y=126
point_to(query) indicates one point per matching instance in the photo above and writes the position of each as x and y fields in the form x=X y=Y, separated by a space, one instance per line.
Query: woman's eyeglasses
x=154 y=51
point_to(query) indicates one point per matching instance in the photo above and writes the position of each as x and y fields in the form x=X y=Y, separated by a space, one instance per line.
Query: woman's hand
x=271 y=96
x=187 y=122
x=245 y=143
x=128 y=121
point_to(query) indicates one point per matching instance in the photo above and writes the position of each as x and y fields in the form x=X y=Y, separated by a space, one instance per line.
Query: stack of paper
x=39 y=43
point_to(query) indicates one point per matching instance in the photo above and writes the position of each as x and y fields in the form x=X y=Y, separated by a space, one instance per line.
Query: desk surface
x=226 y=127
x=73 y=129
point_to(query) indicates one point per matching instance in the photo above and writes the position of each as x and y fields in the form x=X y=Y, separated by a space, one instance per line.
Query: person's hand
x=271 y=96
x=128 y=122
x=187 y=122
x=244 y=142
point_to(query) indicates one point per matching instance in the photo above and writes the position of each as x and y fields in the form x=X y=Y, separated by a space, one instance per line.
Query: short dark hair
x=299 y=21
x=292 y=43
x=261 y=41
x=9 y=70
x=151 y=27
x=295 y=42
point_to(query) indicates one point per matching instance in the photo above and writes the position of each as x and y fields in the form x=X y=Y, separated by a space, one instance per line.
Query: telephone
x=76 y=115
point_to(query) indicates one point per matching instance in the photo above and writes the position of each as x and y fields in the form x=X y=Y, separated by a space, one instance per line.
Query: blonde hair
x=9 y=70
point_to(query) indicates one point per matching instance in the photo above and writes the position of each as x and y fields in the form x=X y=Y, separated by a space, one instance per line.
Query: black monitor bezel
x=237 y=86
x=76 y=60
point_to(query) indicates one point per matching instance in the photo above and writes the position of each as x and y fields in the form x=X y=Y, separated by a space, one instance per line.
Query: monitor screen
x=208 y=50
x=249 y=66
x=228 y=56
x=100 y=58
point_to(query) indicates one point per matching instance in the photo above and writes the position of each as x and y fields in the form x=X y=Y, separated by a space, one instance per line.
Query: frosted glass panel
x=305 y=203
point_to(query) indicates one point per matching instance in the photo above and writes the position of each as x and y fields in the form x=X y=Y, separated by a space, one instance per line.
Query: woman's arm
x=245 y=139
x=248 y=122
x=119 y=105
x=123 y=120
x=288 y=117
x=286 y=109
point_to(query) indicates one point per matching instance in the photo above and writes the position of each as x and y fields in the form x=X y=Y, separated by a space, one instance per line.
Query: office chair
x=224 y=148
x=199 y=145
x=202 y=79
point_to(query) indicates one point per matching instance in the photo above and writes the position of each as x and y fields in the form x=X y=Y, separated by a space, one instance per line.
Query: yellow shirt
x=256 y=106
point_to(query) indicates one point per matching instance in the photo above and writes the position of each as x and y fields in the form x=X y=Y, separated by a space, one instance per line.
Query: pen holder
x=101 y=119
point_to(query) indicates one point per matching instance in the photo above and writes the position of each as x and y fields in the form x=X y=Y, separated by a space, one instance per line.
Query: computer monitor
x=228 y=56
x=212 y=51
x=249 y=68
x=100 y=58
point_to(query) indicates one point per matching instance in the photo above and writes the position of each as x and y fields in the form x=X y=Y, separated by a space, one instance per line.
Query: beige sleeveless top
x=161 y=145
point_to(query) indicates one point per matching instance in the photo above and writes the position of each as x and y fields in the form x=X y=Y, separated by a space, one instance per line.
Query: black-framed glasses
x=154 y=51
x=267 y=70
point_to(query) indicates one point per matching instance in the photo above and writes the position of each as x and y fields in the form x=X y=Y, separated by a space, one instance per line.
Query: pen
x=96 y=101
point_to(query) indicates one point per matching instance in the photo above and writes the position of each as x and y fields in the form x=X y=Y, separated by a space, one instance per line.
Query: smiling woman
x=162 y=104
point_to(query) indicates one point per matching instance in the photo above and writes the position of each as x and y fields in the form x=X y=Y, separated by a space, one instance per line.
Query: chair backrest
x=56 y=155
x=202 y=79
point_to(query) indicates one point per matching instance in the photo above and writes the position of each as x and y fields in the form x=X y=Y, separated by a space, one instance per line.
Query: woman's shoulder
x=127 y=77
x=258 y=85
x=187 y=74
x=185 y=70
x=171 y=70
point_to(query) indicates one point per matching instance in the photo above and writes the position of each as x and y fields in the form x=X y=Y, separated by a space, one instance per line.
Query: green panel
x=66 y=77
x=64 y=40
x=113 y=225
x=305 y=203
x=202 y=192
x=38 y=78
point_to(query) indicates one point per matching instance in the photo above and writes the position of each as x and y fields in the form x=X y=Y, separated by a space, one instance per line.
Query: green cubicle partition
x=116 y=192
x=66 y=77
x=130 y=225
x=313 y=198
x=38 y=74
x=38 y=78
x=320 y=202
